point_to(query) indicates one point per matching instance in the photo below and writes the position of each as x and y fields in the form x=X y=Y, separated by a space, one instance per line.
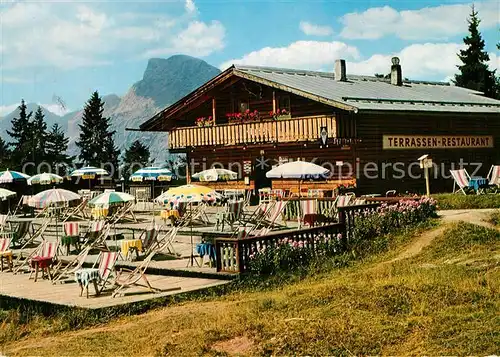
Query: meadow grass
x=442 y=301
x=460 y=201
x=495 y=218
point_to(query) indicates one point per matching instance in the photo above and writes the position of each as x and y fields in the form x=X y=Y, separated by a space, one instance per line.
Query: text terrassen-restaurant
x=437 y=142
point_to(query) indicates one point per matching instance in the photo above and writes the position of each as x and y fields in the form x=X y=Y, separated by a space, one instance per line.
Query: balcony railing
x=289 y=130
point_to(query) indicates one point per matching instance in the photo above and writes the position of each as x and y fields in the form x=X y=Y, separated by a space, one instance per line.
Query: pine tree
x=38 y=151
x=474 y=73
x=4 y=154
x=57 y=145
x=96 y=142
x=136 y=156
x=21 y=138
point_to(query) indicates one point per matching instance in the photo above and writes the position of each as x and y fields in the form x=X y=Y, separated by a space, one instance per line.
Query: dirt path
x=479 y=217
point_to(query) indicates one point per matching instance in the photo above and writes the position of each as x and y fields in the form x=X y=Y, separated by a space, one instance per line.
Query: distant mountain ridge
x=164 y=82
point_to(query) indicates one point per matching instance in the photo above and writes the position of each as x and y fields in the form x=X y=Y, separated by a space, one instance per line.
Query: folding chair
x=308 y=208
x=494 y=176
x=60 y=272
x=126 y=278
x=21 y=233
x=100 y=276
x=71 y=236
x=149 y=241
x=43 y=259
x=231 y=215
x=461 y=179
x=5 y=253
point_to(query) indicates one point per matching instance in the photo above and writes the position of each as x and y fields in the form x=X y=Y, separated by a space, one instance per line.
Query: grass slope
x=460 y=201
x=442 y=301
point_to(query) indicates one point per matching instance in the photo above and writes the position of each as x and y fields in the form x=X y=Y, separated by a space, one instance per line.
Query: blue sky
x=70 y=48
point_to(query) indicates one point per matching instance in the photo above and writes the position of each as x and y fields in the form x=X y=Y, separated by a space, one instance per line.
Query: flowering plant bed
x=280 y=114
x=204 y=121
x=246 y=116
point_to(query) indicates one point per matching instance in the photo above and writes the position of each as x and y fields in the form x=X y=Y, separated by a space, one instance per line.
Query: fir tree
x=96 y=142
x=38 y=138
x=136 y=156
x=21 y=138
x=4 y=154
x=57 y=145
x=474 y=73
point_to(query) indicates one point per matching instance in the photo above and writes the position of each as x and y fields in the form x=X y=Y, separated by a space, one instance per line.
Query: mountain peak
x=166 y=80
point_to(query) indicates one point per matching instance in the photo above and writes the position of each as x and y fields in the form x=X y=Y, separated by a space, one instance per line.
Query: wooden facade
x=354 y=139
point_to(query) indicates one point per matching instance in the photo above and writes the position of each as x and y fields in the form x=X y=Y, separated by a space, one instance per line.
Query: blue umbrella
x=152 y=173
x=12 y=176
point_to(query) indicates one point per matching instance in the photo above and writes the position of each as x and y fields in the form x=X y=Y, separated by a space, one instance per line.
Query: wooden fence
x=233 y=255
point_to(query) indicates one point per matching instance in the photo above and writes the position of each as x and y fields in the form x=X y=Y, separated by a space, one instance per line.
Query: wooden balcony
x=289 y=130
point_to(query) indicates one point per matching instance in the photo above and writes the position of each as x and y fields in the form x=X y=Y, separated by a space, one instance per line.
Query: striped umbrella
x=107 y=199
x=4 y=194
x=215 y=175
x=152 y=173
x=187 y=193
x=12 y=176
x=53 y=197
x=89 y=172
x=44 y=179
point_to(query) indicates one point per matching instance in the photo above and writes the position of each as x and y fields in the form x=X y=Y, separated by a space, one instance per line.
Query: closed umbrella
x=12 y=176
x=216 y=175
x=45 y=179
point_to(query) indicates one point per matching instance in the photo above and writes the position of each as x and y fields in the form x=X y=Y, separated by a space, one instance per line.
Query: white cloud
x=300 y=54
x=190 y=6
x=439 y=22
x=7 y=109
x=427 y=61
x=315 y=30
x=198 y=39
x=70 y=35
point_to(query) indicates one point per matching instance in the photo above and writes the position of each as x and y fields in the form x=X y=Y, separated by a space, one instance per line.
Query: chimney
x=396 y=72
x=340 y=70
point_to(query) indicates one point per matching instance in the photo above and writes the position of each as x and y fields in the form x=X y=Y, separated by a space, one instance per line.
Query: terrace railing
x=233 y=255
x=296 y=129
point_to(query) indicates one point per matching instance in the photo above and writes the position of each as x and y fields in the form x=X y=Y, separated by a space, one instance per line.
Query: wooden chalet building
x=367 y=130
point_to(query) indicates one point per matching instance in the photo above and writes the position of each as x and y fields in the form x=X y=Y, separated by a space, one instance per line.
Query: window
x=284 y=102
x=243 y=106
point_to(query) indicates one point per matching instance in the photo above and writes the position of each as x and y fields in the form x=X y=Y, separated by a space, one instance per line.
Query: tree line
x=34 y=148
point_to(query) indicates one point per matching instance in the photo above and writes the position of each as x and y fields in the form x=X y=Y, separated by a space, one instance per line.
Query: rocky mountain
x=164 y=82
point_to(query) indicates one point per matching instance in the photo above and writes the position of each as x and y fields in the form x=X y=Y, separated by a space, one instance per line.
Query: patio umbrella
x=188 y=194
x=89 y=173
x=215 y=175
x=107 y=199
x=12 y=176
x=4 y=194
x=152 y=173
x=53 y=197
x=44 y=179
x=297 y=170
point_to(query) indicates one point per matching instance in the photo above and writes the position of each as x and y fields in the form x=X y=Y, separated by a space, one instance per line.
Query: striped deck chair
x=274 y=213
x=106 y=269
x=21 y=233
x=126 y=278
x=149 y=239
x=231 y=215
x=44 y=250
x=63 y=271
x=307 y=207
x=71 y=235
x=494 y=176
x=461 y=179
x=5 y=253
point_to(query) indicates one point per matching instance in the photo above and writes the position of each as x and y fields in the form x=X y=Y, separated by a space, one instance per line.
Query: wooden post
x=188 y=176
x=213 y=109
x=274 y=102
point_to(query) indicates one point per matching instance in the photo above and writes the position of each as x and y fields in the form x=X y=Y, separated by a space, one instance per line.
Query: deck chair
x=4 y=225
x=307 y=207
x=231 y=214
x=20 y=234
x=27 y=237
x=149 y=240
x=71 y=236
x=494 y=176
x=341 y=201
x=126 y=278
x=106 y=268
x=44 y=250
x=166 y=240
x=64 y=271
x=461 y=179
x=125 y=212
x=78 y=211
x=5 y=253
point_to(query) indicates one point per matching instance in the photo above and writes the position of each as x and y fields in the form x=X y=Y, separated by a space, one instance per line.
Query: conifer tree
x=136 y=156
x=57 y=146
x=38 y=135
x=96 y=141
x=474 y=73
x=4 y=154
x=21 y=138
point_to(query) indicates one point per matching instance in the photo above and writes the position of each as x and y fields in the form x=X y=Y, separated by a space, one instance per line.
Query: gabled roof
x=358 y=93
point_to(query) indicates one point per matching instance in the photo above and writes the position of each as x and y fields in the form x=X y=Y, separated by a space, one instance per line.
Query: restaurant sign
x=407 y=142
